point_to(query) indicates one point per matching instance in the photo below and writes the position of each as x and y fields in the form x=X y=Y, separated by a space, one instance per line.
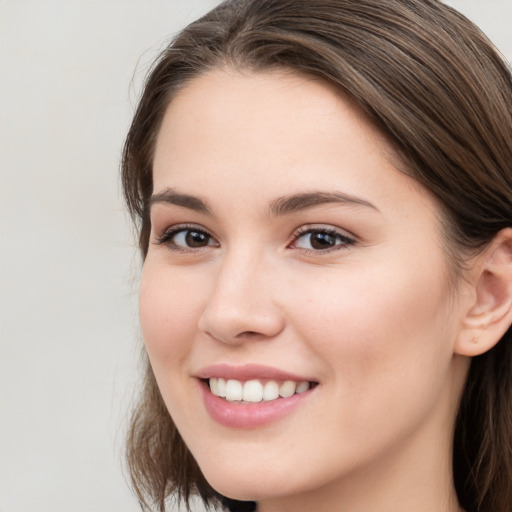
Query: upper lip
x=248 y=372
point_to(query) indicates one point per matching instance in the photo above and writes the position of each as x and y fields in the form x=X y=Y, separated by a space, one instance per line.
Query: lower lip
x=250 y=415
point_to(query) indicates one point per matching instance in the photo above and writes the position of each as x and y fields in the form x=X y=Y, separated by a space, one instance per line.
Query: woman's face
x=286 y=246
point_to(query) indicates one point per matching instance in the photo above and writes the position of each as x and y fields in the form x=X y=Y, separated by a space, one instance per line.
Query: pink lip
x=248 y=372
x=249 y=415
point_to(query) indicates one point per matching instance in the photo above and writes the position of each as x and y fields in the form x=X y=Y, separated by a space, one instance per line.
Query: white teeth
x=254 y=391
x=221 y=388
x=214 y=386
x=287 y=388
x=233 y=390
x=270 y=391
x=302 y=386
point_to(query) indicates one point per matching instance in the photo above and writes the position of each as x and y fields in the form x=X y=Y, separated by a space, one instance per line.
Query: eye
x=320 y=239
x=186 y=238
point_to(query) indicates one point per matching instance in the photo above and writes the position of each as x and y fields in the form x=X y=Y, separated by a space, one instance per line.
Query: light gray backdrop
x=69 y=339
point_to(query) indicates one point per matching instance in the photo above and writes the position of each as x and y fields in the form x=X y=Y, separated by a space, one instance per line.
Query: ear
x=490 y=312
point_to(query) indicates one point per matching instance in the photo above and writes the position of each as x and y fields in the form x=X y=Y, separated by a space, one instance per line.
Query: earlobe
x=490 y=314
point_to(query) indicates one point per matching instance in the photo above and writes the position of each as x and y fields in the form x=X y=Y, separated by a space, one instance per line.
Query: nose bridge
x=241 y=304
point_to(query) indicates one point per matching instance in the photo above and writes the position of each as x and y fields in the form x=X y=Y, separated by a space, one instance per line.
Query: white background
x=69 y=339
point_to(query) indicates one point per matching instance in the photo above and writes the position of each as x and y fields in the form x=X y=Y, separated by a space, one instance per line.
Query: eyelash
x=166 y=238
x=345 y=241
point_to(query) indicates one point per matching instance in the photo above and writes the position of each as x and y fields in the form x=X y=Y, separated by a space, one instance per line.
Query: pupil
x=322 y=240
x=196 y=239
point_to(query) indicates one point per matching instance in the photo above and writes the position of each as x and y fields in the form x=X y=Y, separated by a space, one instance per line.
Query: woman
x=323 y=191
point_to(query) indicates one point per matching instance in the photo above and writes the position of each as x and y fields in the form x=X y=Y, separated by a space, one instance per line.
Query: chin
x=253 y=485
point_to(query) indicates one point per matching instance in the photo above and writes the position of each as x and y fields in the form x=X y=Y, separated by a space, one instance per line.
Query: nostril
x=249 y=334
x=240 y=322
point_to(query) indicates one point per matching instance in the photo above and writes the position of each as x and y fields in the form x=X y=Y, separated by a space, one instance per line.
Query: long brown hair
x=433 y=83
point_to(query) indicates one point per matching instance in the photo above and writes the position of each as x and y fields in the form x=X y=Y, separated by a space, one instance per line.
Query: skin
x=374 y=321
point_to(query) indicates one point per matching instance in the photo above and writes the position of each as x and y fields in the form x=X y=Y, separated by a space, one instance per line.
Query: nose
x=241 y=305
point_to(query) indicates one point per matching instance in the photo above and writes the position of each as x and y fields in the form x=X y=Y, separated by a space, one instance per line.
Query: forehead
x=254 y=121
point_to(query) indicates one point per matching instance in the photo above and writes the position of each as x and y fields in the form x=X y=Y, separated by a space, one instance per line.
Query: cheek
x=385 y=343
x=381 y=326
x=168 y=312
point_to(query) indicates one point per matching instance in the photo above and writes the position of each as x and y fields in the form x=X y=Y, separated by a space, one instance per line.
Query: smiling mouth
x=254 y=391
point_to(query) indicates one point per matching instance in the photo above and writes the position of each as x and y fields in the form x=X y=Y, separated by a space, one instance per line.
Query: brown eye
x=183 y=238
x=196 y=238
x=318 y=240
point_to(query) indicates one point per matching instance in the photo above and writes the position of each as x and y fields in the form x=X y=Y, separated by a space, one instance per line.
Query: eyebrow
x=170 y=196
x=281 y=206
x=296 y=202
